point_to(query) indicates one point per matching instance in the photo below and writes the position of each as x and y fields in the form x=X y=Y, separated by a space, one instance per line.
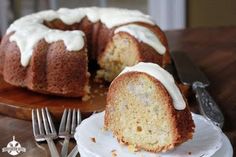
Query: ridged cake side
x=59 y=73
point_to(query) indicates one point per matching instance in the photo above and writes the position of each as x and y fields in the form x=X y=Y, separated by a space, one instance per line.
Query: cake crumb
x=86 y=98
x=132 y=148
x=93 y=139
x=113 y=153
x=103 y=129
x=99 y=77
x=189 y=153
x=101 y=86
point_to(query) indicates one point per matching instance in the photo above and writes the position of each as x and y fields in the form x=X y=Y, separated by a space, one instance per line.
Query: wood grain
x=212 y=49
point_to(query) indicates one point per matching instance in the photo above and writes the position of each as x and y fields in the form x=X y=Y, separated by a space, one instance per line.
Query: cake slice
x=146 y=110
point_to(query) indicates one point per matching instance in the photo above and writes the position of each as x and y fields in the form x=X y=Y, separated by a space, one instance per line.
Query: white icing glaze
x=30 y=29
x=109 y=16
x=143 y=34
x=164 y=77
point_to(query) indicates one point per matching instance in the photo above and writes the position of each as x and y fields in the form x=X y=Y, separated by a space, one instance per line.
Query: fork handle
x=74 y=152
x=52 y=148
x=64 y=150
x=208 y=106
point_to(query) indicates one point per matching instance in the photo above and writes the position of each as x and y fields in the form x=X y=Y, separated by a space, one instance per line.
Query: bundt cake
x=49 y=51
x=146 y=110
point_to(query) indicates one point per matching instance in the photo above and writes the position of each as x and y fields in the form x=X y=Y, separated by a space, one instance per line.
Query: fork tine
x=73 y=122
x=68 y=121
x=52 y=127
x=63 y=121
x=75 y=150
x=78 y=117
x=40 y=123
x=45 y=121
x=35 y=124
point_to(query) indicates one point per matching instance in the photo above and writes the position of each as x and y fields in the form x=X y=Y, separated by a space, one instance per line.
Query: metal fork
x=43 y=129
x=69 y=121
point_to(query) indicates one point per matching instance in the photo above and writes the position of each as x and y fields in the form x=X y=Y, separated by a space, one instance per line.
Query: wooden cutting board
x=18 y=102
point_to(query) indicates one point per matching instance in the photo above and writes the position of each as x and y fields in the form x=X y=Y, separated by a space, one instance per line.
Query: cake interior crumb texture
x=117 y=56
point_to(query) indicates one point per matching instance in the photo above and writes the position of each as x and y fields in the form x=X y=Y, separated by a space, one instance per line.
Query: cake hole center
x=57 y=24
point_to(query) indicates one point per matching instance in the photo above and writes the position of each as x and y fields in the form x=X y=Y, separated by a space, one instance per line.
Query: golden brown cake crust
x=43 y=74
x=181 y=120
x=60 y=73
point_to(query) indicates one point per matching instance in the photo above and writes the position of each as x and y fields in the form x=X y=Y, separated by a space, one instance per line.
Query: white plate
x=226 y=150
x=207 y=139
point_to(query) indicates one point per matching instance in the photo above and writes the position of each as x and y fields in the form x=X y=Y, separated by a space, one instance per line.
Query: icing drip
x=72 y=39
x=29 y=30
x=164 y=77
x=143 y=34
